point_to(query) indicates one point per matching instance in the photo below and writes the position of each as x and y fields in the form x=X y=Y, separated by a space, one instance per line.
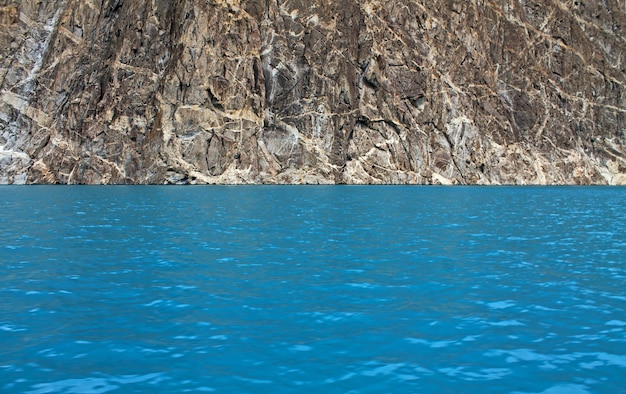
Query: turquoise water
x=334 y=289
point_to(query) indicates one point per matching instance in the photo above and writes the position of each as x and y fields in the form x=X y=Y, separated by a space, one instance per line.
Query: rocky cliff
x=316 y=91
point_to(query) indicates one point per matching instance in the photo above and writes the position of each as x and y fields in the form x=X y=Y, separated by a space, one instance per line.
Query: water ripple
x=341 y=289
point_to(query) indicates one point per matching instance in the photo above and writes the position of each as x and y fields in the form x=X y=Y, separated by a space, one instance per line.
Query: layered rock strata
x=316 y=91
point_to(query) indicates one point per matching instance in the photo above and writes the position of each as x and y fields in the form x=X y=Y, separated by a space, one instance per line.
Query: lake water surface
x=333 y=289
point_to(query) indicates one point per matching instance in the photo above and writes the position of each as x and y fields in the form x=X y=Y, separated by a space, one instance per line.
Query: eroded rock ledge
x=333 y=91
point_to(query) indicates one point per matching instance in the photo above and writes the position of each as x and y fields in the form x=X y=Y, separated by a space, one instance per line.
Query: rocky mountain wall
x=316 y=91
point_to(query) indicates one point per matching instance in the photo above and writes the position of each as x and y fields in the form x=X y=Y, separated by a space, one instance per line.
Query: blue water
x=312 y=289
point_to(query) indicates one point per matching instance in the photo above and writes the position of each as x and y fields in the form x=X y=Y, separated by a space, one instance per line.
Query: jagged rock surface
x=337 y=91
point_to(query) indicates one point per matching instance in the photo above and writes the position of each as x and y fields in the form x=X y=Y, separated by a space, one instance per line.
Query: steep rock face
x=338 y=91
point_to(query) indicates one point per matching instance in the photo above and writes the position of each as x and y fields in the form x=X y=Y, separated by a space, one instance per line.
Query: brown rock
x=340 y=91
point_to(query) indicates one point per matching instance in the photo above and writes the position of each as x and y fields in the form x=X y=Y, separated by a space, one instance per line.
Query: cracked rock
x=333 y=91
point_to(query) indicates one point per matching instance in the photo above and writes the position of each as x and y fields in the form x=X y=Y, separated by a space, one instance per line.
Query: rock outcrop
x=316 y=91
